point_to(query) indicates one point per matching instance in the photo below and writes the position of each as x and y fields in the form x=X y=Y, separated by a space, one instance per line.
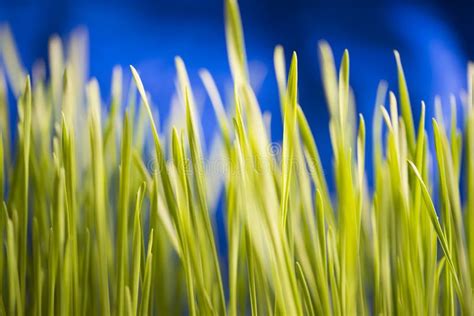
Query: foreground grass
x=89 y=228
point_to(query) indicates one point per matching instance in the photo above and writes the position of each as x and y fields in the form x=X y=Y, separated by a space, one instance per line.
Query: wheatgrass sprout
x=87 y=227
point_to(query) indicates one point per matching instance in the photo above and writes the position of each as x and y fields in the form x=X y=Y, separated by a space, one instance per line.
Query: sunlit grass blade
x=405 y=104
x=136 y=249
x=235 y=42
x=101 y=221
x=288 y=137
x=434 y=220
x=9 y=54
x=122 y=216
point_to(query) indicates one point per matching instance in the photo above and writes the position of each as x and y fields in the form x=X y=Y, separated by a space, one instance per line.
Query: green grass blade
x=235 y=42
x=288 y=137
x=405 y=104
x=434 y=221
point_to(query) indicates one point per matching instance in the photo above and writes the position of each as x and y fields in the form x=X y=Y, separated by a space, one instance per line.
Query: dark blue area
x=435 y=40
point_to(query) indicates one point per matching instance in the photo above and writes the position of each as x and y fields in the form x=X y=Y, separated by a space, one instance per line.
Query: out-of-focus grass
x=88 y=228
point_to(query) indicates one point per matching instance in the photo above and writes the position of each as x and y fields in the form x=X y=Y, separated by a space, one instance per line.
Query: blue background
x=435 y=40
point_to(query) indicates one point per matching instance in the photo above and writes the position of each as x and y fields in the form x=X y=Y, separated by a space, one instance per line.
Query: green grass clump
x=87 y=227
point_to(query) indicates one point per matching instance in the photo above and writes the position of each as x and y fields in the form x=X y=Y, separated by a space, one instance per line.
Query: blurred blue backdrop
x=435 y=40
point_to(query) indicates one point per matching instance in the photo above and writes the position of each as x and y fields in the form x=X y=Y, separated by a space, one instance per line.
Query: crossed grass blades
x=87 y=228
